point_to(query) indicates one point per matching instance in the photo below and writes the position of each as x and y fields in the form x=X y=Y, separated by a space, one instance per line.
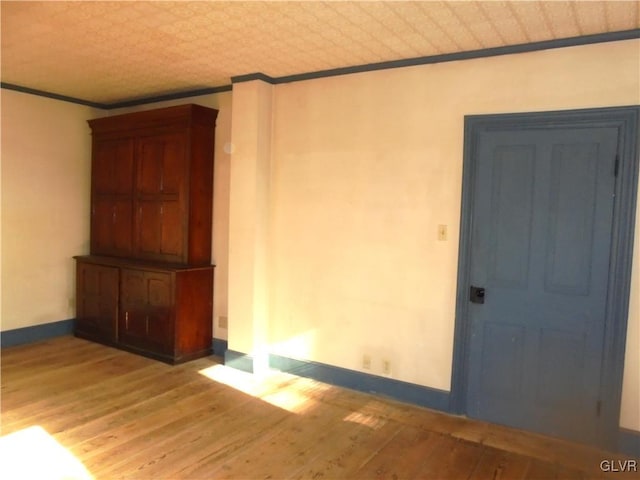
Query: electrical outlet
x=223 y=322
x=386 y=367
x=366 y=362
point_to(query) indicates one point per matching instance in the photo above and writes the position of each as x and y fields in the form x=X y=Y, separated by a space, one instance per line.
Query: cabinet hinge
x=616 y=166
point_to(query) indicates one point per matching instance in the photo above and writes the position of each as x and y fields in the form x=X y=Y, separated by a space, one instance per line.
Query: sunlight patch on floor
x=242 y=381
x=365 y=419
x=32 y=453
x=263 y=387
x=372 y=414
x=291 y=401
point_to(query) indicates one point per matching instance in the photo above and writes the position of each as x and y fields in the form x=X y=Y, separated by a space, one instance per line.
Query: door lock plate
x=476 y=294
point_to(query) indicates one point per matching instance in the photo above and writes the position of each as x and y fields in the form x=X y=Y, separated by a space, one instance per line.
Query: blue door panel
x=571 y=218
x=511 y=215
x=502 y=360
x=555 y=386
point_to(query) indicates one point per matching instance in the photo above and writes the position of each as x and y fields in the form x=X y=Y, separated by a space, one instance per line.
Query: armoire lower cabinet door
x=96 y=301
x=147 y=316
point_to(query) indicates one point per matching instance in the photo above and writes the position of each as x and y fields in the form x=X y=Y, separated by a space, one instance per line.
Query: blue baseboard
x=238 y=360
x=219 y=346
x=36 y=333
x=629 y=442
x=363 y=382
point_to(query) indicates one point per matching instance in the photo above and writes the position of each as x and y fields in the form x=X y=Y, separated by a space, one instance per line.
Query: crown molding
x=55 y=96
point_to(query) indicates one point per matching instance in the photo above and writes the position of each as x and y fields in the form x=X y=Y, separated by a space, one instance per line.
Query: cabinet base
x=170 y=359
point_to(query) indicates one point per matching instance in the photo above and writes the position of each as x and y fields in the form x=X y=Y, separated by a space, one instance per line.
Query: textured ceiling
x=108 y=52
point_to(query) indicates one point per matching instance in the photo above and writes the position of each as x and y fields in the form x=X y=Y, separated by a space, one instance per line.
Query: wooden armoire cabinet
x=147 y=285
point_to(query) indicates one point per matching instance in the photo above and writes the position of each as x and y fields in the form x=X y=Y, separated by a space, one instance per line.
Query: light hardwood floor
x=125 y=416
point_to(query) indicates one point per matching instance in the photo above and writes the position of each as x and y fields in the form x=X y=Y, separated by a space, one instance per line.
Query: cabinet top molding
x=185 y=115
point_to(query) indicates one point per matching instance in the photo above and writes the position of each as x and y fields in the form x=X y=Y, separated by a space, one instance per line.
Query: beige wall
x=364 y=168
x=45 y=206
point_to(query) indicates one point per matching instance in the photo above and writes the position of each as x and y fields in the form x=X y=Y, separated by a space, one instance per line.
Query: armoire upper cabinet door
x=111 y=198
x=161 y=164
x=112 y=166
x=161 y=198
x=160 y=231
x=111 y=224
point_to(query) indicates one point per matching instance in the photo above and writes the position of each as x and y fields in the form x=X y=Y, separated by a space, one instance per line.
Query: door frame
x=626 y=120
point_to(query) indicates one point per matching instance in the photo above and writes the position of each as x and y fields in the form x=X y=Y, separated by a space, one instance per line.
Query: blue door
x=540 y=248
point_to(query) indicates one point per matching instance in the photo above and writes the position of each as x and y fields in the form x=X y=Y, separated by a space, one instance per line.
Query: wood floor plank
x=285 y=447
x=125 y=416
x=43 y=351
x=239 y=428
x=94 y=395
x=541 y=470
x=546 y=449
x=500 y=465
x=456 y=459
x=47 y=361
x=162 y=406
x=351 y=446
x=52 y=382
x=402 y=458
x=567 y=473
